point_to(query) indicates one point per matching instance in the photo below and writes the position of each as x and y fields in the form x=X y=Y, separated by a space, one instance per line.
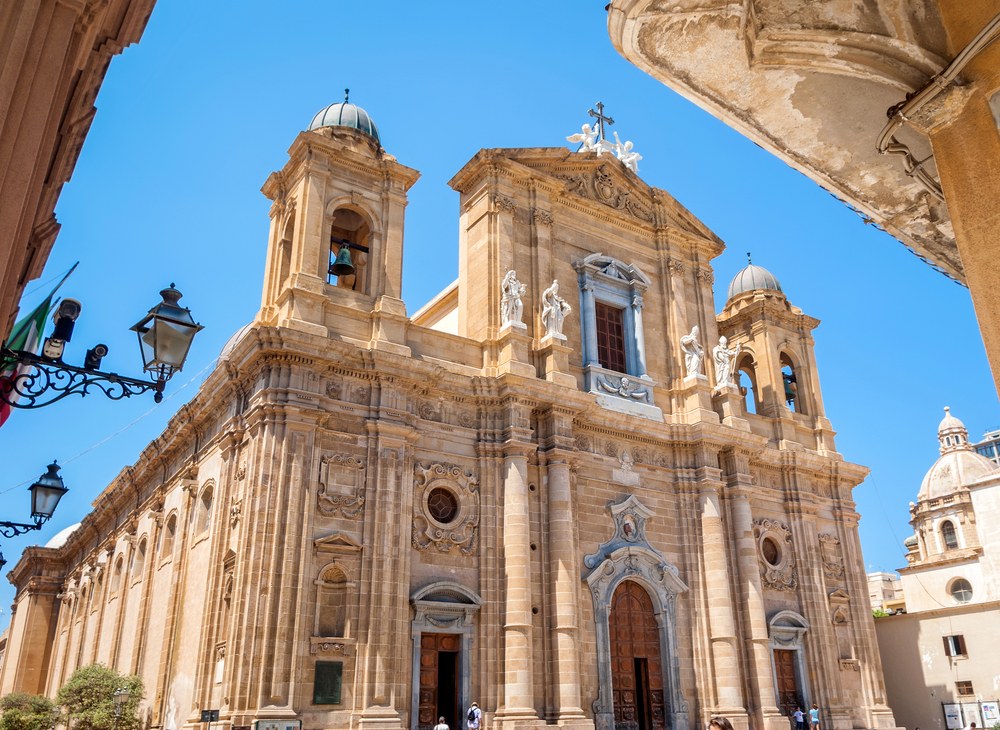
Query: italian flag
x=26 y=336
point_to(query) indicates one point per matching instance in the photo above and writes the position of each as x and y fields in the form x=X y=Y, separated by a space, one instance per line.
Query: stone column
x=722 y=626
x=758 y=645
x=640 y=338
x=563 y=599
x=589 y=308
x=382 y=691
x=518 y=697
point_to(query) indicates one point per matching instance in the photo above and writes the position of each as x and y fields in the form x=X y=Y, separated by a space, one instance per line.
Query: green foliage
x=879 y=613
x=88 y=698
x=22 y=711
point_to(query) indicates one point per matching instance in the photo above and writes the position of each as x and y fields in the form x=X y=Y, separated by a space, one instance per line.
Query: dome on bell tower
x=753 y=278
x=958 y=466
x=345 y=114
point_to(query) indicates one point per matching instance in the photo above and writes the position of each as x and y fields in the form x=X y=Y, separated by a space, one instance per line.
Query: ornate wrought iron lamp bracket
x=44 y=382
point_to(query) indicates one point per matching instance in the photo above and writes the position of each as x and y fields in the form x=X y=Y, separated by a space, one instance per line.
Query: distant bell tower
x=335 y=250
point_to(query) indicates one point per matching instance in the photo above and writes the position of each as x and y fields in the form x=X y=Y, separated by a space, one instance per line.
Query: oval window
x=442 y=505
x=769 y=549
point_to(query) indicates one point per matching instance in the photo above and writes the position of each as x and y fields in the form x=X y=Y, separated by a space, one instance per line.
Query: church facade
x=549 y=491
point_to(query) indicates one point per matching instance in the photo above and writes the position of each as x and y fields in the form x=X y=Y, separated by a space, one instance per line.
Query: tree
x=89 y=699
x=22 y=711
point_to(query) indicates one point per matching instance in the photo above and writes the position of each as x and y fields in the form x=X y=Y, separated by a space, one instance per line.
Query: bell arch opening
x=350 y=248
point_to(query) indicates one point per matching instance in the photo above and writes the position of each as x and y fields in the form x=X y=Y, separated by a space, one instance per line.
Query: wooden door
x=636 y=666
x=439 y=685
x=788 y=689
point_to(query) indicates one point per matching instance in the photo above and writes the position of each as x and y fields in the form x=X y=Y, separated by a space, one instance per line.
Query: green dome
x=345 y=114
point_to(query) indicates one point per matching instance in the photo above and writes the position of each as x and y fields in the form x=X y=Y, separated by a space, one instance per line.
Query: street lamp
x=165 y=336
x=121 y=697
x=46 y=492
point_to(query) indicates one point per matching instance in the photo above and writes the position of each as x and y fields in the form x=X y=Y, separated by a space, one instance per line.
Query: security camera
x=66 y=314
x=92 y=361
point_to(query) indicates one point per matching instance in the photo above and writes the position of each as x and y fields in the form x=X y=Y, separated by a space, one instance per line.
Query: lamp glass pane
x=44 y=499
x=172 y=342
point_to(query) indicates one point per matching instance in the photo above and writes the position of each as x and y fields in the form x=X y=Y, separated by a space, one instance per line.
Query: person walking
x=475 y=717
x=814 y=717
x=442 y=725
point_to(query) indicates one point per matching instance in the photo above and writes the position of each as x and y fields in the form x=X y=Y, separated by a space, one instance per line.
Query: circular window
x=442 y=505
x=769 y=549
x=961 y=590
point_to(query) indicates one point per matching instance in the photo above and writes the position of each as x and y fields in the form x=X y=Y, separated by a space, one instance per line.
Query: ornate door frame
x=787 y=630
x=628 y=556
x=443 y=607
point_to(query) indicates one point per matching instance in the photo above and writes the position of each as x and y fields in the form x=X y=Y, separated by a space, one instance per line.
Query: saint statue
x=694 y=353
x=554 y=310
x=725 y=360
x=511 y=307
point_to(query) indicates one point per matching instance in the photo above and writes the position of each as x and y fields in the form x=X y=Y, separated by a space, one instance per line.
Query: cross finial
x=601 y=118
x=347 y=93
x=749 y=262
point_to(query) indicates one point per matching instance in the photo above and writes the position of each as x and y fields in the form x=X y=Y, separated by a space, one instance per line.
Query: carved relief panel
x=446 y=508
x=833 y=557
x=342 y=482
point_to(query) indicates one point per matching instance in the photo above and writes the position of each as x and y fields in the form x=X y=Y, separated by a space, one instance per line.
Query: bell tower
x=776 y=365
x=335 y=249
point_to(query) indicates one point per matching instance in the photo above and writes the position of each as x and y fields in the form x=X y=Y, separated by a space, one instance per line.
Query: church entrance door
x=636 y=668
x=439 y=680
x=788 y=688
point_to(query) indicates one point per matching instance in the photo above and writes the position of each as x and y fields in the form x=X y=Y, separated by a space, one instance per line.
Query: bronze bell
x=342 y=265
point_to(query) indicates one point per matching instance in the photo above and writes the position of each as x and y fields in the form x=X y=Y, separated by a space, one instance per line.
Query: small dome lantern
x=345 y=114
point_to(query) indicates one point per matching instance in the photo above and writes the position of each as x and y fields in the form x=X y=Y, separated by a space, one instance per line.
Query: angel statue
x=586 y=137
x=554 y=310
x=511 y=307
x=624 y=152
x=694 y=353
x=724 y=358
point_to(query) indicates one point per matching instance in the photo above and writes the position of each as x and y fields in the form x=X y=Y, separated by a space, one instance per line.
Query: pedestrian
x=475 y=717
x=719 y=723
x=814 y=717
x=442 y=725
x=800 y=719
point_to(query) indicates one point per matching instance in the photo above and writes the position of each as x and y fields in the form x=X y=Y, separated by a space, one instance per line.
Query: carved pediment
x=338 y=542
x=607 y=185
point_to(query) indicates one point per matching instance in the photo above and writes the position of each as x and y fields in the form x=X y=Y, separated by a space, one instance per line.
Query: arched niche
x=444 y=607
x=627 y=555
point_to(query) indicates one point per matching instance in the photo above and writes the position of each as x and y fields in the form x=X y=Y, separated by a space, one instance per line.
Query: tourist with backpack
x=475 y=716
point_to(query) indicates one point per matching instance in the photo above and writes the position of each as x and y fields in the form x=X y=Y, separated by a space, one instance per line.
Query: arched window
x=139 y=560
x=350 y=237
x=790 y=385
x=331 y=614
x=961 y=590
x=948 y=535
x=116 y=575
x=203 y=510
x=747 y=380
x=167 y=537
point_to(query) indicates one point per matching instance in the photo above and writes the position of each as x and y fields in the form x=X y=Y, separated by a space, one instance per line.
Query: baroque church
x=943 y=643
x=566 y=488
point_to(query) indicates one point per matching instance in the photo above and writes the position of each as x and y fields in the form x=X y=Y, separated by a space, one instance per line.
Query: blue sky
x=192 y=120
